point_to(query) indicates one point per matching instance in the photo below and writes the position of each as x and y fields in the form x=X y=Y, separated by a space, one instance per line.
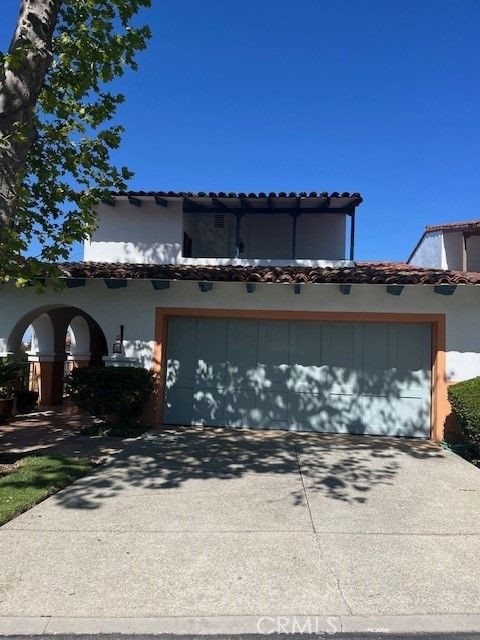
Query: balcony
x=272 y=230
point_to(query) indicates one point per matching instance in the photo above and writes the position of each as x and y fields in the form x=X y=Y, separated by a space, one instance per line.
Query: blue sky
x=379 y=96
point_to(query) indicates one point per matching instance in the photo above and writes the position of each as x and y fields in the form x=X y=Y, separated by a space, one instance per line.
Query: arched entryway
x=58 y=338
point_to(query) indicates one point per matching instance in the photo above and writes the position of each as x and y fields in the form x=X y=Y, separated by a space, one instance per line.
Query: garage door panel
x=178 y=405
x=211 y=353
x=413 y=359
x=308 y=412
x=306 y=343
x=181 y=361
x=275 y=408
x=378 y=414
x=242 y=372
x=344 y=413
x=308 y=380
x=257 y=410
x=341 y=357
x=274 y=352
x=240 y=411
x=242 y=347
x=413 y=347
x=208 y=406
x=412 y=414
x=376 y=360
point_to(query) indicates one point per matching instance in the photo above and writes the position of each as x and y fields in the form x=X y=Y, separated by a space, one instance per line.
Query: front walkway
x=222 y=527
x=55 y=431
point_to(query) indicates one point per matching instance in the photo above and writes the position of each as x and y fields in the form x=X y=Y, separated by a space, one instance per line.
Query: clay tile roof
x=472 y=226
x=222 y=194
x=362 y=273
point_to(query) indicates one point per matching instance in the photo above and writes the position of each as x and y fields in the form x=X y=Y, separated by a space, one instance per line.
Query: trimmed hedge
x=464 y=398
x=105 y=391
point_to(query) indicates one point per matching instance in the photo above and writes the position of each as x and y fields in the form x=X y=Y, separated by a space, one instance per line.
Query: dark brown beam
x=238 y=232
x=445 y=289
x=395 y=289
x=352 y=234
x=245 y=204
x=193 y=206
x=161 y=201
x=237 y=211
x=295 y=214
x=218 y=204
x=135 y=201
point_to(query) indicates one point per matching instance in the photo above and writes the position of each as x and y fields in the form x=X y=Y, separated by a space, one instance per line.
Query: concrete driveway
x=217 y=524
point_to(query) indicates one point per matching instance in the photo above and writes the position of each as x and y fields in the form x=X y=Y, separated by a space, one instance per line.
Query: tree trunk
x=20 y=85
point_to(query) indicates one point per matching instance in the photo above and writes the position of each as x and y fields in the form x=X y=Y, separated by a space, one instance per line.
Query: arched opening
x=54 y=340
x=79 y=333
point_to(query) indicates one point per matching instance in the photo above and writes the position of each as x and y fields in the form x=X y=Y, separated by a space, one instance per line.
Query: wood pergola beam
x=250 y=209
x=194 y=206
x=219 y=205
x=161 y=202
x=135 y=201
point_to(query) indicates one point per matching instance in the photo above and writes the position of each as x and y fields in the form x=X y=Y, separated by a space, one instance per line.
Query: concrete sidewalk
x=205 y=524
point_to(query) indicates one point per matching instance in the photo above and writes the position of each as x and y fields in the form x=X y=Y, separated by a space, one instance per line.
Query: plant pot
x=6 y=408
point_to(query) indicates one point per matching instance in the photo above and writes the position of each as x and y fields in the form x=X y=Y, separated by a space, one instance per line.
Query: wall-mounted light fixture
x=118 y=344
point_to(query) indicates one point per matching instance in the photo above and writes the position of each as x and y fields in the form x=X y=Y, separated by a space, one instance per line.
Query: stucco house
x=252 y=312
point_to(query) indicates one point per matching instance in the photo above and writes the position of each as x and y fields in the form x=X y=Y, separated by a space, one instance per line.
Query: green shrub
x=464 y=398
x=12 y=376
x=103 y=391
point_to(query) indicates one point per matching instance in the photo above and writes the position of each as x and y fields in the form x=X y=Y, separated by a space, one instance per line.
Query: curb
x=231 y=625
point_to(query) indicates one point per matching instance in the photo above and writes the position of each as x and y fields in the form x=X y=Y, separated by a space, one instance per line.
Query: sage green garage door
x=301 y=376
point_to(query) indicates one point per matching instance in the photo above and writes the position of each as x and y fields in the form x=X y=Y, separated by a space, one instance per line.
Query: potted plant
x=11 y=377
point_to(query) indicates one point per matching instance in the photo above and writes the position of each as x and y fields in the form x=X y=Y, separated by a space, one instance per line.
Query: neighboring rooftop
x=470 y=226
x=362 y=273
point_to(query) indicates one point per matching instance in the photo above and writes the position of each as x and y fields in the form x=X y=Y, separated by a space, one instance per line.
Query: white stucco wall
x=453 y=246
x=430 y=252
x=453 y=249
x=126 y=233
x=134 y=307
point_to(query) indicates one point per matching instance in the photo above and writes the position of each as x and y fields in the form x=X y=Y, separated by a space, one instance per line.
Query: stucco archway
x=48 y=355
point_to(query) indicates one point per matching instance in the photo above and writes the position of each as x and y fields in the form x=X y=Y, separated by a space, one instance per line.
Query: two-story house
x=253 y=313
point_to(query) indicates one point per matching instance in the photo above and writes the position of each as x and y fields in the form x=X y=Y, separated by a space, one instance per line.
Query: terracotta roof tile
x=468 y=226
x=361 y=273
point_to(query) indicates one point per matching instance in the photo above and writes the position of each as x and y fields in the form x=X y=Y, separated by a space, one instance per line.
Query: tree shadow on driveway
x=338 y=467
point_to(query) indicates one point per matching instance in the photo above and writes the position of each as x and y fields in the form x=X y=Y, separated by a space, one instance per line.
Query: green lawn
x=36 y=478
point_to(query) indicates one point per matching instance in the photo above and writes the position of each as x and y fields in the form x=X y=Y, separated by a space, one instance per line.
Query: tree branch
x=21 y=79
